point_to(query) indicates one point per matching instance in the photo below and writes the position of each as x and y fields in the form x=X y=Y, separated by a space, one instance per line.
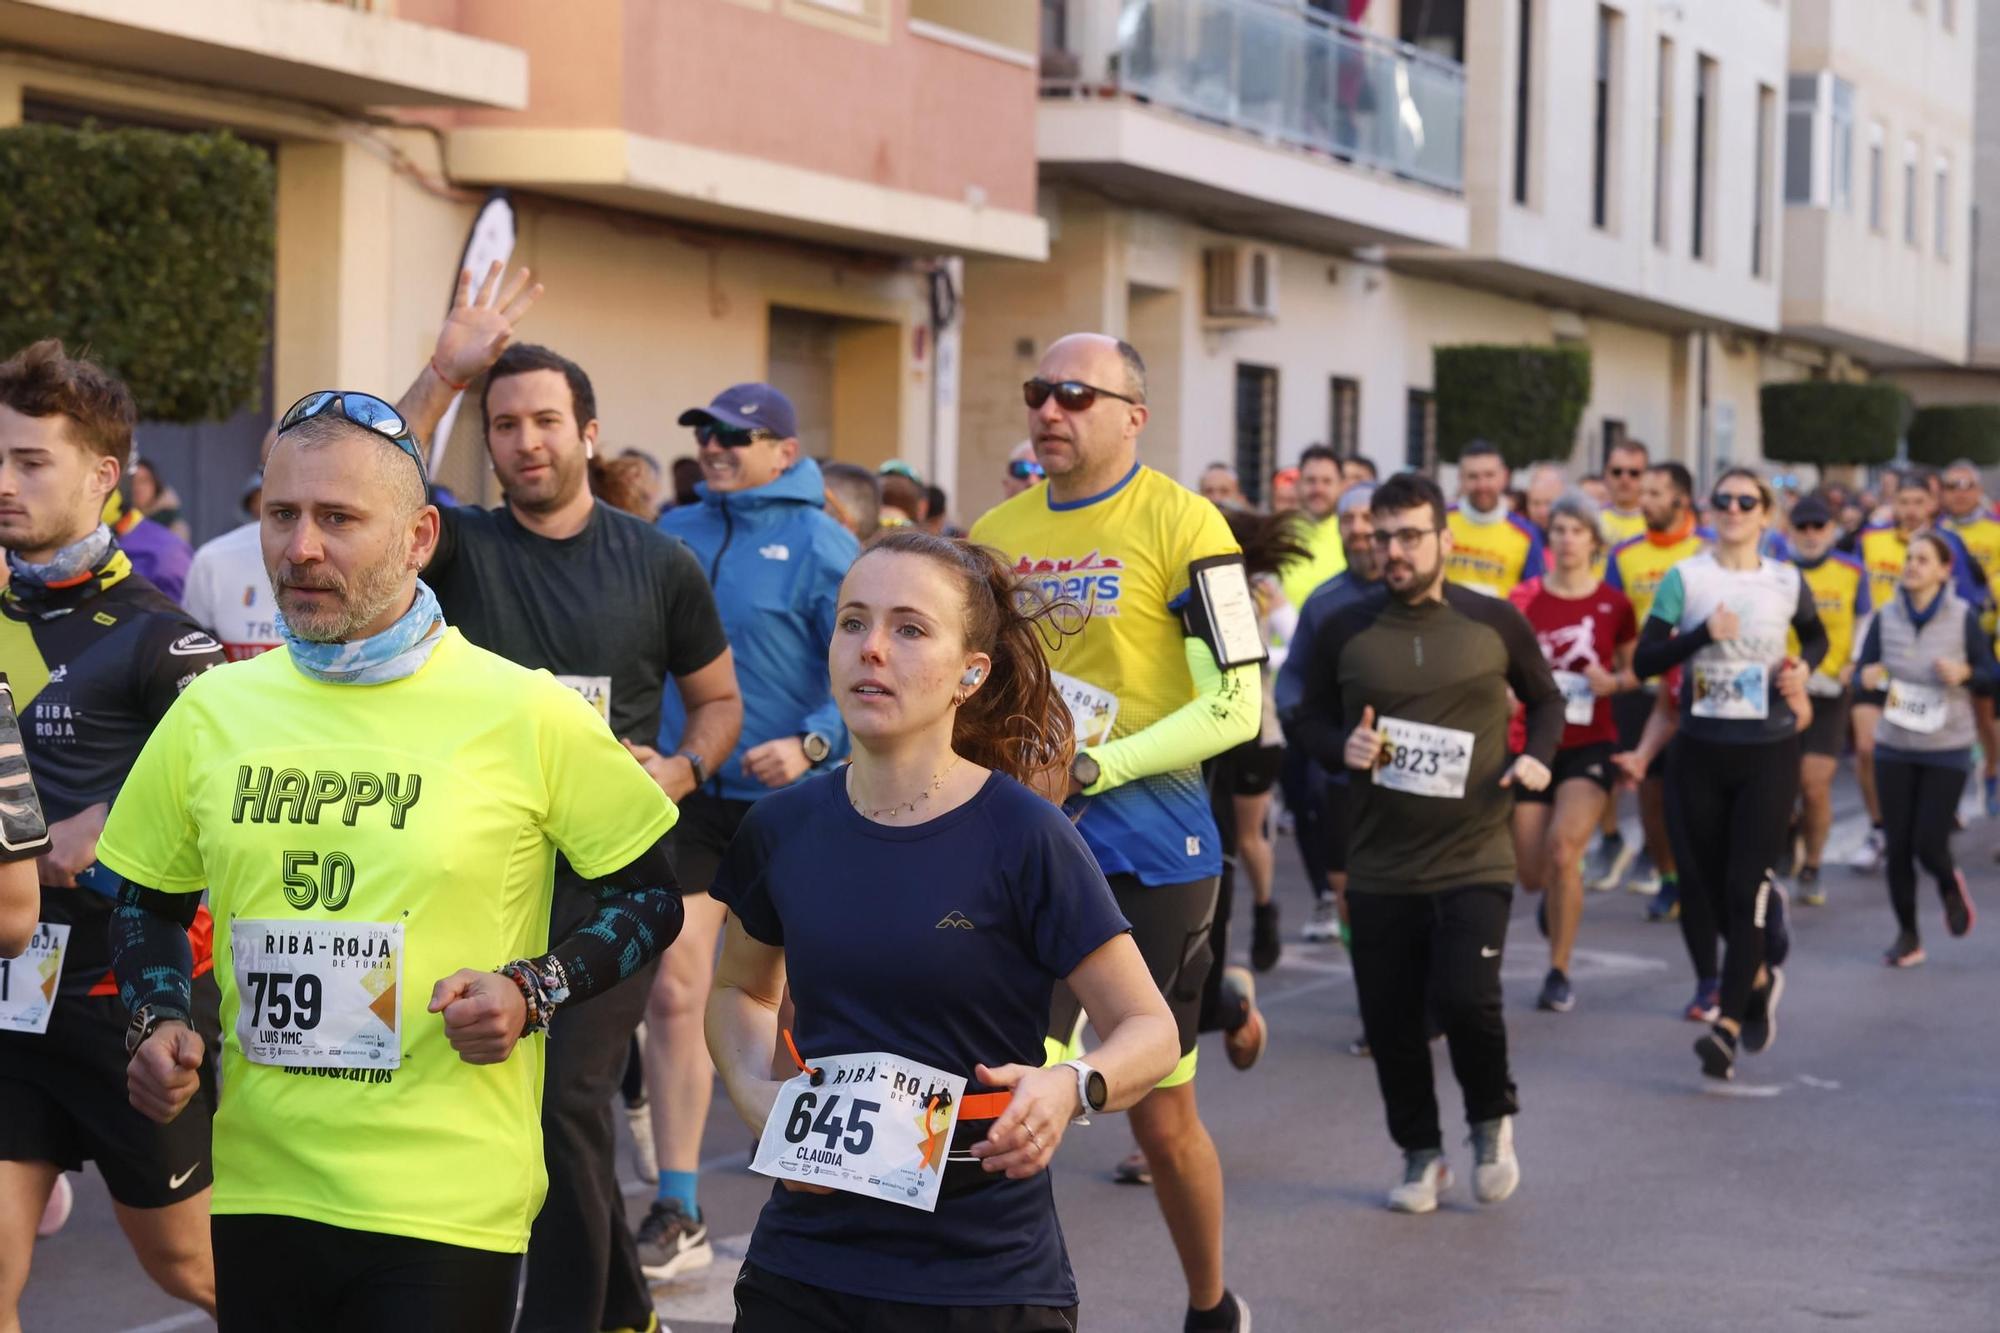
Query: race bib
x=596 y=691
x=1424 y=760
x=1579 y=704
x=1914 y=707
x=1091 y=710
x=868 y=1128
x=28 y=983
x=318 y=994
x=1736 y=690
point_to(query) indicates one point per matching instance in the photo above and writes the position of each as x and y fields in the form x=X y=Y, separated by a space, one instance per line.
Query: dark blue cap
x=747 y=407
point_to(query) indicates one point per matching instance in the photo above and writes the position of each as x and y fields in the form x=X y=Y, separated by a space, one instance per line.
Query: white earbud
x=972 y=677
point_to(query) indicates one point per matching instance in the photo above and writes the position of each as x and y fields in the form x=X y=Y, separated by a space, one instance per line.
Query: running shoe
x=1868 y=856
x=1556 y=995
x=1811 y=892
x=1425 y=1176
x=1244 y=1041
x=1760 y=1018
x=1666 y=904
x=1706 y=1006
x=1232 y=1316
x=1360 y=1049
x=56 y=1211
x=1497 y=1172
x=1325 y=922
x=1134 y=1170
x=1777 y=924
x=1959 y=913
x=1542 y=914
x=1993 y=796
x=1265 y=947
x=1645 y=876
x=1717 y=1050
x=639 y=1119
x=1905 y=952
x=1604 y=865
x=672 y=1243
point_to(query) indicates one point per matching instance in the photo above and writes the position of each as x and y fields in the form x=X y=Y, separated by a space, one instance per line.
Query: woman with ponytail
x=922 y=903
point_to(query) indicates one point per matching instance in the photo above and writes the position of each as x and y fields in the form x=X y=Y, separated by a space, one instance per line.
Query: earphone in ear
x=972 y=677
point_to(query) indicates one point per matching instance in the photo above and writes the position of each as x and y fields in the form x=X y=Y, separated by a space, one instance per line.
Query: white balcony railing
x=1280 y=72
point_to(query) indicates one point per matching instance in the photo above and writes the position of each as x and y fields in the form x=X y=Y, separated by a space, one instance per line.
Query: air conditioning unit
x=1242 y=282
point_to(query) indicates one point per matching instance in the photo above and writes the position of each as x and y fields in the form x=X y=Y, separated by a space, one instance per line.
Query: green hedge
x=1819 y=421
x=1526 y=401
x=1940 y=436
x=152 y=252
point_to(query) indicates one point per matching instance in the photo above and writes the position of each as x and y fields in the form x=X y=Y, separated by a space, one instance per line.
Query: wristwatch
x=1091 y=1090
x=817 y=747
x=1085 y=770
x=698 y=764
x=144 y=1019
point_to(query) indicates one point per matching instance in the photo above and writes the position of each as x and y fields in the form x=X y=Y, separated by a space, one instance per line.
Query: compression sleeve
x=1660 y=650
x=1224 y=712
x=1813 y=641
x=638 y=915
x=150 y=953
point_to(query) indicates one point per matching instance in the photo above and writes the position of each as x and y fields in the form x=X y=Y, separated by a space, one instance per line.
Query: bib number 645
x=830 y=1123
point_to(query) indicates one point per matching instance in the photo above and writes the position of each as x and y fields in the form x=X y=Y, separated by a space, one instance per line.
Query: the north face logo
x=954 y=921
x=775 y=551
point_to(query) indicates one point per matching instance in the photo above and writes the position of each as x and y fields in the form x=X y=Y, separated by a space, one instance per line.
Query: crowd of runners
x=359 y=869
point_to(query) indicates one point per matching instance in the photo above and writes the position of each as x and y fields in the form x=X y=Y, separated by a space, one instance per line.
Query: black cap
x=1811 y=509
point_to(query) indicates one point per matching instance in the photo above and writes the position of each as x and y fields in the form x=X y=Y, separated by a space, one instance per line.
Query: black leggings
x=287 y=1275
x=1918 y=803
x=1729 y=810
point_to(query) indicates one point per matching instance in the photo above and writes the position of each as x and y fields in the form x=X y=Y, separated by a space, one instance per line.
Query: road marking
x=187 y=1319
x=1829 y=1084
x=707 y=1296
x=1716 y=1088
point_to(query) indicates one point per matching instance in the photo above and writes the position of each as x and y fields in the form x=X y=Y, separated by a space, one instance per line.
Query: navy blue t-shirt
x=939 y=942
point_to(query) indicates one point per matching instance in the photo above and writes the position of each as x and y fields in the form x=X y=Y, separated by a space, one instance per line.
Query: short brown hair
x=42 y=380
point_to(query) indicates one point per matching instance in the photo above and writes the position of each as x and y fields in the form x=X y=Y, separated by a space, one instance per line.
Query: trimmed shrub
x=1526 y=401
x=1940 y=436
x=1823 y=422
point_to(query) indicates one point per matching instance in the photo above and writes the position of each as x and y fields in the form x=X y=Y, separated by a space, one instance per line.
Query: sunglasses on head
x=1070 y=395
x=729 y=437
x=360 y=409
x=1742 y=503
x=1024 y=469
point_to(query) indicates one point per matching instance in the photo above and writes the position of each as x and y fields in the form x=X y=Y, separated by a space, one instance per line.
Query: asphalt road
x=1846 y=1183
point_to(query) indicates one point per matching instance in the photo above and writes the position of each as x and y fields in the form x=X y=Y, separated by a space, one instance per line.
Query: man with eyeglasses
x=1839 y=586
x=1162 y=675
x=1022 y=470
x=375 y=814
x=1493 y=548
x=616 y=610
x=1409 y=692
x=775 y=558
x=1970 y=515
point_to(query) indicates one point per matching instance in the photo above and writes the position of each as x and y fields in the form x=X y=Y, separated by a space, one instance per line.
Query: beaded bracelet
x=543 y=985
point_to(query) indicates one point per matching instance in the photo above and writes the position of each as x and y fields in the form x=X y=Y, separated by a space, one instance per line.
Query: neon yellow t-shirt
x=436 y=803
x=1124 y=556
x=1327 y=559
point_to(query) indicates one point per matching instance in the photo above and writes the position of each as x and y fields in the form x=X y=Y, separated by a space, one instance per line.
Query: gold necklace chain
x=937 y=784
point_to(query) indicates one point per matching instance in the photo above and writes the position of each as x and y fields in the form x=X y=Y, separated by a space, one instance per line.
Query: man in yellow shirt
x=1624 y=476
x=375 y=813
x=1493 y=548
x=1320 y=487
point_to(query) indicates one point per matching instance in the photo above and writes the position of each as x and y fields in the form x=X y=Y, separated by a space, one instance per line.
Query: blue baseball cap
x=747 y=407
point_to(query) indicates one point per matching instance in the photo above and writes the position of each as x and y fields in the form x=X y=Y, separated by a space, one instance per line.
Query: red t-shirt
x=1576 y=633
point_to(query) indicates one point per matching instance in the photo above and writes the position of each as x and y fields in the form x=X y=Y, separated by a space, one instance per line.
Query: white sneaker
x=645 y=1163
x=1606 y=864
x=1498 y=1172
x=1325 y=922
x=1424 y=1178
x=1868 y=856
x=1645 y=876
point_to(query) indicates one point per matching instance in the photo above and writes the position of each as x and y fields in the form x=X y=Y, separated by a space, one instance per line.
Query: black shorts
x=1592 y=763
x=274 y=1272
x=768 y=1303
x=1339 y=824
x=1870 y=698
x=1251 y=769
x=1629 y=711
x=1170 y=924
x=63 y=1100
x=1828 y=733
x=701 y=836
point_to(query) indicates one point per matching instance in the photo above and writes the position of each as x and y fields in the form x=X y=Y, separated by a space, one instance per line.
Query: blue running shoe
x=1666 y=904
x=1777 y=923
x=1706 y=1006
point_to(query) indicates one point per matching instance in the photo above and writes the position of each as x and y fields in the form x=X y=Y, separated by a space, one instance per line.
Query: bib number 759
x=830 y=1125
x=284 y=999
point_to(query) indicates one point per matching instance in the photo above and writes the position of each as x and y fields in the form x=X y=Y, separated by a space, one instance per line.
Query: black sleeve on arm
x=1660 y=650
x=694 y=625
x=1871 y=646
x=638 y=915
x=1320 y=725
x=1533 y=683
x=173 y=651
x=1806 y=623
x=1979 y=652
x=150 y=954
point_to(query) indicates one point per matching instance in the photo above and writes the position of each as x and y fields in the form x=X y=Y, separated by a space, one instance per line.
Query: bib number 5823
x=830 y=1124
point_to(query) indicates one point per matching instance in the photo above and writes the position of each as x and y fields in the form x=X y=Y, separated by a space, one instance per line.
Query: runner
x=1356 y=469
x=1023 y=470
x=1840 y=593
x=1320 y=485
x=617 y=611
x=1636 y=568
x=228 y=592
x=161 y=556
x=1546 y=484
x=775 y=560
x=1409 y=685
x=1493 y=548
x=1970 y=516
x=1156 y=570
x=380 y=1128
x=1624 y=476
x=1923 y=650
x=1586 y=631
x=24 y=835
x=1734 y=767
x=844 y=886
x=95 y=655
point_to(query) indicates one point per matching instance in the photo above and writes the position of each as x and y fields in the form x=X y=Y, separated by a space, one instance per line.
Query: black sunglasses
x=1813 y=526
x=1742 y=503
x=1024 y=469
x=729 y=437
x=361 y=409
x=1625 y=471
x=1070 y=395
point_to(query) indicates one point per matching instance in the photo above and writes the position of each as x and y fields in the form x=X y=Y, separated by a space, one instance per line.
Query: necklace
x=937 y=783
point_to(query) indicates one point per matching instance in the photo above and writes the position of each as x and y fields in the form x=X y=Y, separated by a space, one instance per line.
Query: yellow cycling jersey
x=1981 y=535
x=1619 y=526
x=1492 y=557
x=1638 y=564
x=360 y=843
x=1839 y=587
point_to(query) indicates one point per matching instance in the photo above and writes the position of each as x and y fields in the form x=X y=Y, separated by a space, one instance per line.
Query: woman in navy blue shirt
x=923 y=902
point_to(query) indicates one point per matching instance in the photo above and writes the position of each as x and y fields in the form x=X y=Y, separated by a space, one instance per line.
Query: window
x=1663 y=134
x=1760 y=196
x=1704 y=132
x=1910 y=155
x=1344 y=429
x=1419 y=429
x=1256 y=428
x=1523 y=70
x=1948 y=15
x=1801 y=123
x=1877 y=185
x=1614 y=436
x=1608 y=35
x=1843 y=145
x=1941 y=209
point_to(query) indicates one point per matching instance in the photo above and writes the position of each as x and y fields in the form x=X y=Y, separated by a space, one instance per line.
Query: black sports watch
x=1085 y=770
x=698 y=764
x=144 y=1019
x=817 y=747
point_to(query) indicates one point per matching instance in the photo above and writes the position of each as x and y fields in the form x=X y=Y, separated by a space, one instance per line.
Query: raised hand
x=481 y=324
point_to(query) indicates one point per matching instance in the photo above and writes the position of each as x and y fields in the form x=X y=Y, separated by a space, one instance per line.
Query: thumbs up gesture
x=1364 y=743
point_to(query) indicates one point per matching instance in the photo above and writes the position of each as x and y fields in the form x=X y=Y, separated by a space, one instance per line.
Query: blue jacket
x=776 y=561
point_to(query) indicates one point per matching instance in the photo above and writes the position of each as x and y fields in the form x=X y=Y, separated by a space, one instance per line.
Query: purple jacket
x=156 y=552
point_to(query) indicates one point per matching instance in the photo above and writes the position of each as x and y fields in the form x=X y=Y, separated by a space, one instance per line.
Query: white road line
x=186 y=1319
